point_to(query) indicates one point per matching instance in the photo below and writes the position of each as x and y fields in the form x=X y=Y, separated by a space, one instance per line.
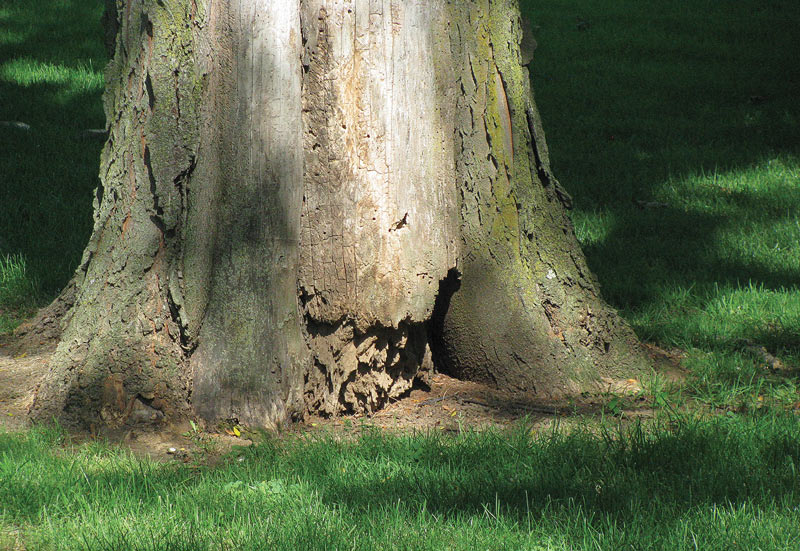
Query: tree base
x=306 y=205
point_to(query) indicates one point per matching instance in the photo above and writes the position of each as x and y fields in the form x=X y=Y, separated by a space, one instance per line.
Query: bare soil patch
x=445 y=404
x=20 y=372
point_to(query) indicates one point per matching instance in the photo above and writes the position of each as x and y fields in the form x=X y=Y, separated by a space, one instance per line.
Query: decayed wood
x=379 y=207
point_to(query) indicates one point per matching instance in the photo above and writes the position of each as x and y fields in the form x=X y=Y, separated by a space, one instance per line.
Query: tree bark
x=308 y=204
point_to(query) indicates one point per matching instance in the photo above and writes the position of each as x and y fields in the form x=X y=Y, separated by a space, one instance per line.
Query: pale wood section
x=380 y=210
x=378 y=231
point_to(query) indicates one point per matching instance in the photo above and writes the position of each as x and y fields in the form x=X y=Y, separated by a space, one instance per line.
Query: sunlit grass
x=71 y=80
x=15 y=284
x=680 y=484
x=18 y=291
x=727 y=288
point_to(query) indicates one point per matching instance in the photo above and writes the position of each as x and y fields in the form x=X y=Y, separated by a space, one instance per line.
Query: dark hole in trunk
x=442 y=355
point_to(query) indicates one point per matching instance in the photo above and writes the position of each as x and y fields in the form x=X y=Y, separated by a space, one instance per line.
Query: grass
x=674 y=126
x=691 y=109
x=728 y=483
x=16 y=291
x=51 y=61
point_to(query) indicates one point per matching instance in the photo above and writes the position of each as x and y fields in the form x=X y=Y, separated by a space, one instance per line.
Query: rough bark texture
x=527 y=314
x=121 y=355
x=306 y=204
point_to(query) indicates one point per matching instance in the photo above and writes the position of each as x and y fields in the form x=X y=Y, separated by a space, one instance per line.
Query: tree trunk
x=308 y=204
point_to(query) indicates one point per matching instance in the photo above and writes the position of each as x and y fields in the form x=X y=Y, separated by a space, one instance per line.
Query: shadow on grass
x=51 y=52
x=655 y=476
x=651 y=104
x=672 y=472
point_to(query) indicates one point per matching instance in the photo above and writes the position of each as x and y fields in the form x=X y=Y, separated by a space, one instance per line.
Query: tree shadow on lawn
x=640 y=106
x=670 y=472
x=646 y=254
x=66 y=32
x=49 y=54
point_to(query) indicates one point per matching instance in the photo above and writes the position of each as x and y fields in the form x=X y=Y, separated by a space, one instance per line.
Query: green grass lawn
x=51 y=63
x=673 y=124
x=729 y=483
x=692 y=108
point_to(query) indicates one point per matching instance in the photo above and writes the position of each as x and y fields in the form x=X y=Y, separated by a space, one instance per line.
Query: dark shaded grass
x=50 y=55
x=694 y=106
x=652 y=96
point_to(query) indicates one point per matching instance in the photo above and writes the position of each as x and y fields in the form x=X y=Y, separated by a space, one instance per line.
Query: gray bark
x=309 y=204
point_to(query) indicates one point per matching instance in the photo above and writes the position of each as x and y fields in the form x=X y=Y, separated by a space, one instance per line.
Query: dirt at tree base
x=20 y=372
x=446 y=405
x=453 y=405
x=24 y=358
